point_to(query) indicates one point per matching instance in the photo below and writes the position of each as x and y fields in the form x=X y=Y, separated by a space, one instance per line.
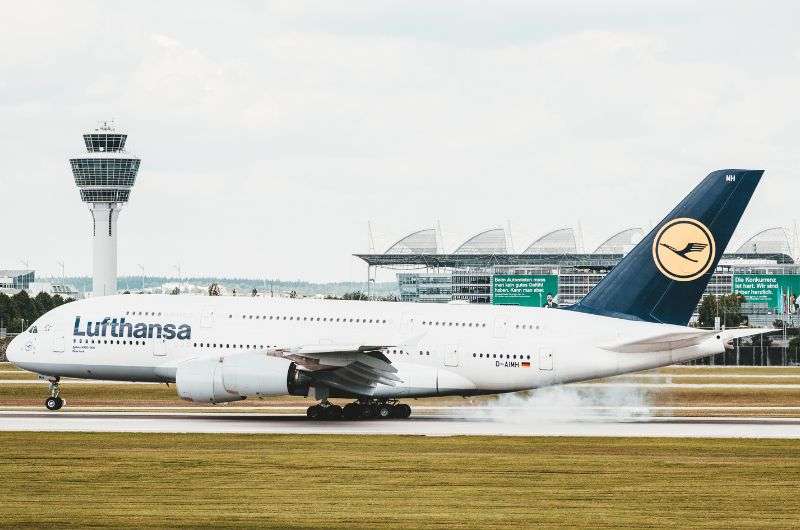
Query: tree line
x=358 y=295
x=19 y=310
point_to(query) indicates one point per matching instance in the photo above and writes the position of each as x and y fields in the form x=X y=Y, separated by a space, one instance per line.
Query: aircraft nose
x=13 y=350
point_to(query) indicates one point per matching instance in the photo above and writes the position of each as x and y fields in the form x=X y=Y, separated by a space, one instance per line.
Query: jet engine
x=235 y=377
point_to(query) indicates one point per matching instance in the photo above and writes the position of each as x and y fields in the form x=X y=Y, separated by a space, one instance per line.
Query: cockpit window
x=33 y=329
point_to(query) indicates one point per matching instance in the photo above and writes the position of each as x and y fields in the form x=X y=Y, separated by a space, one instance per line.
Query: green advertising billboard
x=778 y=292
x=527 y=290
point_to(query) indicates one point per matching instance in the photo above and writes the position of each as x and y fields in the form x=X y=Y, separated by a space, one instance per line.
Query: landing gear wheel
x=402 y=411
x=333 y=412
x=314 y=412
x=384 y=411
x=53 y=403
x=366 y=411
x=351 y=411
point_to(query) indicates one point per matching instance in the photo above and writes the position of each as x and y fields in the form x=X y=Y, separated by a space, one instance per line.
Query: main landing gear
x=363 y=409
x=54 y=402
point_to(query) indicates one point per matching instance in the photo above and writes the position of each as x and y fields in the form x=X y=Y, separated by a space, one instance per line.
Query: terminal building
x=16 y=280
x=552 y=272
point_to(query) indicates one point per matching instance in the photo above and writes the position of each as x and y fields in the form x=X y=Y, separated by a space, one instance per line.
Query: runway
x=425 y=424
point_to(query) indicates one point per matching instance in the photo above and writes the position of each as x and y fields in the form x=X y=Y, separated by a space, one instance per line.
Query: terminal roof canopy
x=420 y=242
x=561 y=241
x=621 y=242
x=492 y=241
x=770 y=241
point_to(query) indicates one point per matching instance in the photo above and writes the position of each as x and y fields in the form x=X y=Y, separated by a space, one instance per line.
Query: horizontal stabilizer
x=681 y=339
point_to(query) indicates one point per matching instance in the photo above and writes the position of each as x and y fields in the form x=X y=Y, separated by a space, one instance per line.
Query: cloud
x=270 y=135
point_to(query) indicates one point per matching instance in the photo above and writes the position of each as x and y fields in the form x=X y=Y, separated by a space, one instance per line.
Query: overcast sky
x=271 y=133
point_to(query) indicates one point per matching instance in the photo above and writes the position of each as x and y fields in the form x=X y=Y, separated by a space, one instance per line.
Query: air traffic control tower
x=105 y=175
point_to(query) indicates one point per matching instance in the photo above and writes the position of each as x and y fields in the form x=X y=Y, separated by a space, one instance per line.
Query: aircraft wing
x=348 y=367
x=681 y=339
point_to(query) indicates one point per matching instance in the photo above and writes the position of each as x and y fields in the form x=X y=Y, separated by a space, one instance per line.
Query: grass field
x=146 y=480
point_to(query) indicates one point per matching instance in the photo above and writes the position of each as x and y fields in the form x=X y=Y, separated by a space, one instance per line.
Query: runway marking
x=686 y=385
x=223 y=409
x=421 y=424
x=709 y=376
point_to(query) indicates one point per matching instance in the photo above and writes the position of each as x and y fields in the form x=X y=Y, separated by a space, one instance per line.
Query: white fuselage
x=437 y=349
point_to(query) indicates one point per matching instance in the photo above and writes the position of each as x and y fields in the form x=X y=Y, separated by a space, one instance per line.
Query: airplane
x=219 y=349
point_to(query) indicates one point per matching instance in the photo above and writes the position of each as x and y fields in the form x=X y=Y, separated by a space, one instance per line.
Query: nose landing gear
x=54 y=402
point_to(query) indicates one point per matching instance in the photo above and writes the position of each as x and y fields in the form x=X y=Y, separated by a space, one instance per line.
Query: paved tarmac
x=421 y=423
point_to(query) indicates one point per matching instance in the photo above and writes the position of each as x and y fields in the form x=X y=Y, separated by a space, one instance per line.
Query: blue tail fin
x=664 y=276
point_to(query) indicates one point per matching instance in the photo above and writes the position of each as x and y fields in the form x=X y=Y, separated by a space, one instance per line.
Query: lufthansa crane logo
x=684 y=249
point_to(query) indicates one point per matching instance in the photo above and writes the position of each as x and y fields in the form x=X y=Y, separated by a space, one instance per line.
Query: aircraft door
x=451 y=356
x=500 y=328
x=406 y=323
x=58 y=343
x=207 y=318
x=159 y=347
x=545 y=359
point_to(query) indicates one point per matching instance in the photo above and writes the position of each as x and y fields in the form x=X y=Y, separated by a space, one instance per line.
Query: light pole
x=178 y=268
x=141 y=268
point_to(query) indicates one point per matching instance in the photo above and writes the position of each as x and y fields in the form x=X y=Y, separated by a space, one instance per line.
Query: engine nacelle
x=235 y=377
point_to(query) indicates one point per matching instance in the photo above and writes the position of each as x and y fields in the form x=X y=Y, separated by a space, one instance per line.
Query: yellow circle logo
x=683 y=249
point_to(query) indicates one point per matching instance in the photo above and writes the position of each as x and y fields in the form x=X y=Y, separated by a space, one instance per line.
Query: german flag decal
x=526 y=364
